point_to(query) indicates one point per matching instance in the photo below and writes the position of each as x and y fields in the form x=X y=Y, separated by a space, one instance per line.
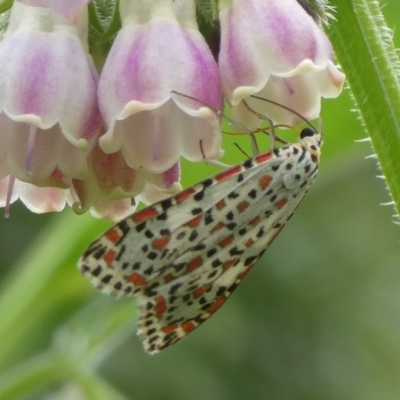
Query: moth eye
x=307 y=132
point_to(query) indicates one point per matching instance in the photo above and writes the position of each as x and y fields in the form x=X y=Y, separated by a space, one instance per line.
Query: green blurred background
x=318 y=318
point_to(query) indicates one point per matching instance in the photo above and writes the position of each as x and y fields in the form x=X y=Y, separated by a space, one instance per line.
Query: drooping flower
x=275 y=50
x=156 y=84
x=36 y=199
x=112 y=189
x=159 y=50
x=49 y=118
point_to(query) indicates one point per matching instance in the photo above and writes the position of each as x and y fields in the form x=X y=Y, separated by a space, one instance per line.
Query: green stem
x=97 y=389
x=30 y=288
x=31 y=375
x=364 y=48
x=51 y=369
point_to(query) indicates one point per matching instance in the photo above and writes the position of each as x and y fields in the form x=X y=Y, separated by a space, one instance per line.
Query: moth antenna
x=182 y=257
x=273 y=136
x=241 y=150
x=216 y=163
x=222 y=114
x=308 y=122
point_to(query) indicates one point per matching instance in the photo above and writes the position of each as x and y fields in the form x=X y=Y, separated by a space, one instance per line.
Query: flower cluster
x=103 y=140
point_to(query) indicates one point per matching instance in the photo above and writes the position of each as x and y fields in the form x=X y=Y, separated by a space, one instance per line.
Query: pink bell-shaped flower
x=159 y=50
x=112 y=189
x=275 y=50
x=36 y=199
x=49 y=118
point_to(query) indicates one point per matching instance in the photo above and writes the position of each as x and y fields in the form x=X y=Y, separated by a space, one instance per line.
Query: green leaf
x=5 y=5
x=363 y=46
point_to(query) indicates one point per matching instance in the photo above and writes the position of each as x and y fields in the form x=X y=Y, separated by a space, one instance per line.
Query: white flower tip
x=205 y=113
x=134 y=107
x=81 y=143
x=119 y=193
x=332 y=85
x=338 y=77
x=221 y=154
x=152 y=194
x=241 y=93
x=305 y=66
x=197 y=108
x=30 y=119
x=115 y=210
x=174 y=188
x=108 y=143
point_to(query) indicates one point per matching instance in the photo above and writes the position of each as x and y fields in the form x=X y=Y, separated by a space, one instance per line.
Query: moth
x=182 y=257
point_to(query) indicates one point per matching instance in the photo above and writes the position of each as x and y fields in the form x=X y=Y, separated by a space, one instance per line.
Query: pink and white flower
x=49 y=118
x=159 y=50
x=275 y=50
x=67 y=138
x=112 y=189
x=36 y=199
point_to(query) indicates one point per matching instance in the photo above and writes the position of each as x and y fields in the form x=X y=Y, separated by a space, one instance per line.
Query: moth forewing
x=183 y=257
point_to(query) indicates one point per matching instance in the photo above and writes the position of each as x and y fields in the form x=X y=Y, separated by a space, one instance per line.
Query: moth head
x=312 y=140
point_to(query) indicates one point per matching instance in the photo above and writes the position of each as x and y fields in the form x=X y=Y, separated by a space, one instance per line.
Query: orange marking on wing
x=227 y=264
x=220 y=205
x=169 y=328
x=194 y=222
x=160 y=243
x=160 y=307
x=144 y=215
x=244 y=273
x=194 y=264
x=279 y=204
x=184 y=195
x=217 y=227
x=200 y=291
x=168 y=278
x=255 y=221
x=264 y=181
x=263 y=158
x=137 y=279
x=228 y=173
x=225 y=241
x=113 y=235
x=109 y=257
x=188 y=326
x=217 y=304
x=249 y=243
x=242 y=206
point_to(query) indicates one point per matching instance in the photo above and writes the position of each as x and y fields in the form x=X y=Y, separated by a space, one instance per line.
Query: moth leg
x=211 y=162
x=271 y=126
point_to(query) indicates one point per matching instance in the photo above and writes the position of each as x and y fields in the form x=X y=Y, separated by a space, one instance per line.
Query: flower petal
x=36 y=199
x=136 y=84
x=276 y=50
x=49 y=118
x=115 y=210
x=66 y=10
x=56 y=82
